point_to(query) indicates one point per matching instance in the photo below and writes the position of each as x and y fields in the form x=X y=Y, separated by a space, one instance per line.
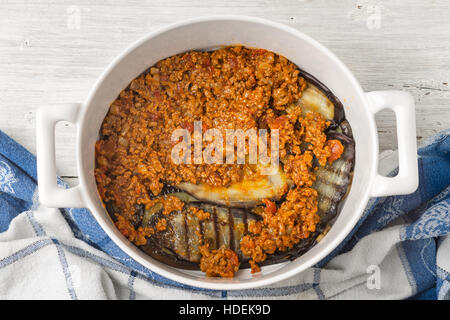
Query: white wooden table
x=52 y=52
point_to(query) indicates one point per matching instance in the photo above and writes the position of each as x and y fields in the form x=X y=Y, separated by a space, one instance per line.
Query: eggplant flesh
x=333 y=180
x=245 y=194
x=332 y=183
x=313 y=99
x=317 y=97
x=230 y=207
x=179 y=244
x=250 y=192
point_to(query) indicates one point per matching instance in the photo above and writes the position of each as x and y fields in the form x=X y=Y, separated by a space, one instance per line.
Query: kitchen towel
x=399 y=249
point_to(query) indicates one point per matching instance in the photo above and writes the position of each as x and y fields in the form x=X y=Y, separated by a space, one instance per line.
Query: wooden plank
x=46 y=57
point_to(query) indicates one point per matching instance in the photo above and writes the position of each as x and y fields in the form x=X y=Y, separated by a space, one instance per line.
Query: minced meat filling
x=222 y=262
x=230 y=88
x=283 y=227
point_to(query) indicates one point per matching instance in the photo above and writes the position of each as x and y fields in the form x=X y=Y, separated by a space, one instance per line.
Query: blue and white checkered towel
x=399 y=249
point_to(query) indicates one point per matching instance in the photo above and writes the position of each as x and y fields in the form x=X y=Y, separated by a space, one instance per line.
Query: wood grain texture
x=52 y=52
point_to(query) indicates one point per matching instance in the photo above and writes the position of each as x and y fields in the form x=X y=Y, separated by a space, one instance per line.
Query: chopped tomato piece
x=189 y=126
x=271 y=207
x=336 y=148
x=279 y=122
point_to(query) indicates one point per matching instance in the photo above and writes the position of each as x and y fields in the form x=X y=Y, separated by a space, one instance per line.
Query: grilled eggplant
x=232 y=208
x=250 y=192
x=317 y=97
x=333 y=180
x=179 y=245
x=313 y=99
x=245 y=194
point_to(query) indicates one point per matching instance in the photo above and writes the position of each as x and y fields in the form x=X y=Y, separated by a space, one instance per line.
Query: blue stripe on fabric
x=120 y=268
x=32 y=248
x=103 y=242
x=102 y=261
x=66 y=271
x=347 y=289
x=265 y=292
x=39 y=230
x=131 y=284
x=35 y=224
x=316 y=283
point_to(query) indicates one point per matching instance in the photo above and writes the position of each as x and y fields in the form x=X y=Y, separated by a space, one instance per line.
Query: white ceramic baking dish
x=210 y=32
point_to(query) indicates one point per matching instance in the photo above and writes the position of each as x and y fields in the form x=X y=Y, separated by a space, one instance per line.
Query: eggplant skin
x=165 y=246
x=333 y=180
x=179 y=244
x=338 y=112
x=332 y=184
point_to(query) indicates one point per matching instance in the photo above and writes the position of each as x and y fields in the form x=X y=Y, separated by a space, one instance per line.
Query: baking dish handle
x=50 y=194
x=407 y=179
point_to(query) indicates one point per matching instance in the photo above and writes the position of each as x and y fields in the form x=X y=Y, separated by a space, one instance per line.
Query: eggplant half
x=179 y=244
x=231 y=208
x=333 y=180
x=245 y=194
